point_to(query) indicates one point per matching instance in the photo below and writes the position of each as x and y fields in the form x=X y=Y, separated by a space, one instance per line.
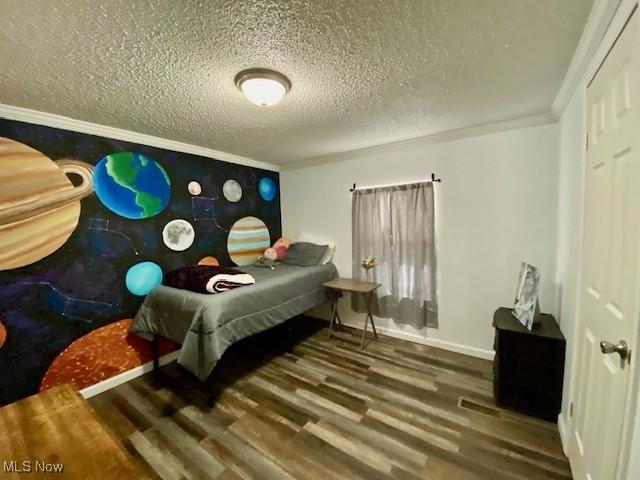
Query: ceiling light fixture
x=263 y=87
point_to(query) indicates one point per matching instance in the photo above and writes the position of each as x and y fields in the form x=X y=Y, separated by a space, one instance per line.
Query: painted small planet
x=100 y=354
x=178 y=235
x=248 y=239
x=3 y=334
x=232 y=191
x=132 y=185
x=143 y=277
x=39 y=205
x=210 y=261
x=194 y=188
x=267 y=189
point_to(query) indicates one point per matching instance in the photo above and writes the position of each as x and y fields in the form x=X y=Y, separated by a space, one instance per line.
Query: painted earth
x=132 y=185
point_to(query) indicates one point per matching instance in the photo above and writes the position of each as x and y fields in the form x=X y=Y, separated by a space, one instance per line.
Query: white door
x=610 y=283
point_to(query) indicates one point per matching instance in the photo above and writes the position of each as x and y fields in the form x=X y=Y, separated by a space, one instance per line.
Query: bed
x=205 y=325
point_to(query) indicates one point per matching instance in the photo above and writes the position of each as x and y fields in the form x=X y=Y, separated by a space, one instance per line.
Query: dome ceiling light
x=263 y=87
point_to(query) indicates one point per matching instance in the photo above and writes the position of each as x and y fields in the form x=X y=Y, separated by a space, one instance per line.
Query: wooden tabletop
x=59 y=429
x=351 y=285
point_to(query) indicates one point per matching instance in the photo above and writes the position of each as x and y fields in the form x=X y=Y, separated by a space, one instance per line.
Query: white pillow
x=329 y=255
x=319 y=240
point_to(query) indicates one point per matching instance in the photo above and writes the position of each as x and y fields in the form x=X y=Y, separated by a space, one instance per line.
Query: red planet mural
x=101 y=354
x=3 y=334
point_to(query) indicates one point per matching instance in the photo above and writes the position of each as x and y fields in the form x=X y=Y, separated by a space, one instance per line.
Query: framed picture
x=526 y=305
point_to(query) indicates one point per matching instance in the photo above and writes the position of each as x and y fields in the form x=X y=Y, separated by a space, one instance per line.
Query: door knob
x=621 y=348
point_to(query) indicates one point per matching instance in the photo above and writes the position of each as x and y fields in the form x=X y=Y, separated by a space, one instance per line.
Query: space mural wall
x=88 y=226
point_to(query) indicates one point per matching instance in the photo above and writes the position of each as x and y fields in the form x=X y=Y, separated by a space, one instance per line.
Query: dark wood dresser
x=528 y=366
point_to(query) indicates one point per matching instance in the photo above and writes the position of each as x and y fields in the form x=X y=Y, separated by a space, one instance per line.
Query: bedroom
x=447 y=139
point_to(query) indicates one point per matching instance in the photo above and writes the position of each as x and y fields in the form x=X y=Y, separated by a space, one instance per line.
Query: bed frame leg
x=154 y=353
x=290 y=342
x=208 y=390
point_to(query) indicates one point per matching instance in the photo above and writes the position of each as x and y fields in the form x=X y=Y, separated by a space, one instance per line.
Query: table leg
x=366 y=319
x=375 y=334
x=334 y=310
x=364 y=332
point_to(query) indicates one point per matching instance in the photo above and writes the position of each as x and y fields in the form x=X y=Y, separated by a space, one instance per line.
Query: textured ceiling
x=363 y=72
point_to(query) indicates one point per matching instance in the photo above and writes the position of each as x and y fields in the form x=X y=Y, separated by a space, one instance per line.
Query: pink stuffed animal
x=279 y=249
x=284 y=241
x=271 y=254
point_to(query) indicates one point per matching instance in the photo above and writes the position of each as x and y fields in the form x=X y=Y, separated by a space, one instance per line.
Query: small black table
x=529 y=365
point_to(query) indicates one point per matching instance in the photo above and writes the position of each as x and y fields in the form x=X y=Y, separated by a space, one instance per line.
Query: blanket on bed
x=206 y=325
x=207 y=279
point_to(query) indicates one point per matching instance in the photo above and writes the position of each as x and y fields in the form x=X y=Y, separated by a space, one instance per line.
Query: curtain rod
x=433 y=180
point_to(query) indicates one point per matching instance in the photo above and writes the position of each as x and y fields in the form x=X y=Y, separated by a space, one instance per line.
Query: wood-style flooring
x=57 y=433
x=292 y=404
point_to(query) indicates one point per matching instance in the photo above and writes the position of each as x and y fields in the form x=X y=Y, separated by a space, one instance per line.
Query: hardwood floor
x=56 y=432
x=324 y=409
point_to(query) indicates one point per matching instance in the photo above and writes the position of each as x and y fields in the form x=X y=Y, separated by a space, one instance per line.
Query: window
x=396 y=226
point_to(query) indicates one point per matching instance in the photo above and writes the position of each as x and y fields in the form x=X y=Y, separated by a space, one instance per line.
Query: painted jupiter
x=247 y=239
x=39 y=206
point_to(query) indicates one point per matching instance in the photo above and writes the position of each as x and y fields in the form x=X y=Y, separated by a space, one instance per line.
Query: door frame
x=624 y=11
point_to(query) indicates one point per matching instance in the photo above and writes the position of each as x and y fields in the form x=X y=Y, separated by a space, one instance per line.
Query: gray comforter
x=207 y=324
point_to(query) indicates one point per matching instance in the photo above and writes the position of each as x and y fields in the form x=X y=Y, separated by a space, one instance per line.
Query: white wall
x=496 y=206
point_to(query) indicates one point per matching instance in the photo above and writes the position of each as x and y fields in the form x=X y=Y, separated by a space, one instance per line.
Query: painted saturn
x=39 y=205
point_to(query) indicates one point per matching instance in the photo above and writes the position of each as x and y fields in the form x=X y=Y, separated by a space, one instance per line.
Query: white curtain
x=396 y=226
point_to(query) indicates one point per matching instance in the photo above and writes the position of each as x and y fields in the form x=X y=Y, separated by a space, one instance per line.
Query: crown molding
x=600 y=18
x=441 y=137
x=20 y=114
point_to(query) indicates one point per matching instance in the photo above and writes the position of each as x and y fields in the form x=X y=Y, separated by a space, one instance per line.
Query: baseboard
x=432 y=342
x=562 y=428
x=124 y=377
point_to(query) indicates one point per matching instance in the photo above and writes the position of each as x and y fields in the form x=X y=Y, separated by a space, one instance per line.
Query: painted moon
x=39 y=205
x=248 y=238
x=194 y=188
x=232 y=191
x=178 y=235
